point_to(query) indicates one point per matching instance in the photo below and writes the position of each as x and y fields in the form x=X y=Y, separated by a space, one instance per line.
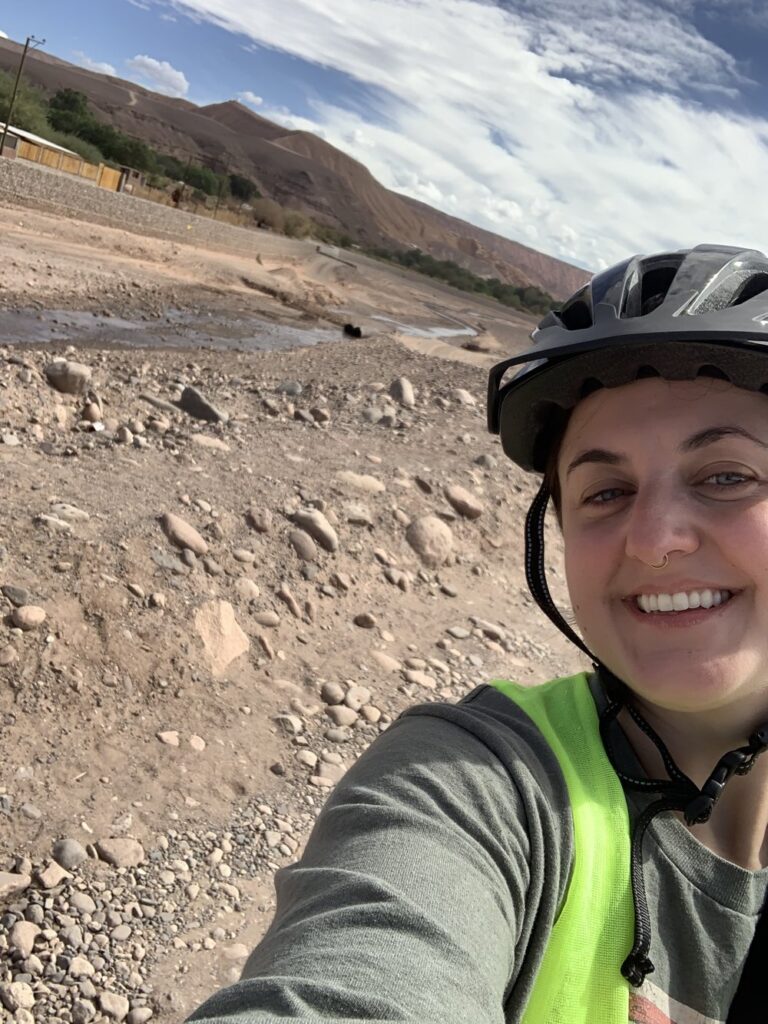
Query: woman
x=551 y=854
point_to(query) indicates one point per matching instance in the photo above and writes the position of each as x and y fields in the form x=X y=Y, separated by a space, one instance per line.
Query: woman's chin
x=682 y=682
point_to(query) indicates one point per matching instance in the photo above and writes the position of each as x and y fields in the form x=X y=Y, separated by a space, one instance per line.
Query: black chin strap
x=677 y=792
x=535 y=573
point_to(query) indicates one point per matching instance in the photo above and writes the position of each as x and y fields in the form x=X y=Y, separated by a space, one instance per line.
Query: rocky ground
x=222 y=575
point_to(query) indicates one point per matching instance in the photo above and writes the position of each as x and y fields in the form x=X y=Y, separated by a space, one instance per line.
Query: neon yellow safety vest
x=580 y=981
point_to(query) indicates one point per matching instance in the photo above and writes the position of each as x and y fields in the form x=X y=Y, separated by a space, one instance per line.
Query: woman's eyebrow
x=596 y=455
x=698 y=440
x=712 y=434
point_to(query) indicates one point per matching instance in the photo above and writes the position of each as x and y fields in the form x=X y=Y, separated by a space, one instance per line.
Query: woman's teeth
x=683 y=601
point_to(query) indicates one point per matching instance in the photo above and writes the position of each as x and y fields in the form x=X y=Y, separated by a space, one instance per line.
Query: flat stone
x=267 y=618
x=115 y=1006
x=196 y=405
x=341 y=715
x=28 y=617
x=80 y=967
x=180 y=532
x=366 y=620
x=259 y=519
x=246 y=589
x=52 y=875
x=197 y=743
x=70 y=513
x=463 y=397
x=22 y=937
x=313 y=522
x=168 y=561
x=82 y=903
x=332 y=692
x=422 y=679
x=18 y=596
x=11 y=884
x=16 y=995
x=303 y=545
x=121 y=853
x=223 y=639
x=69 y=853
x=8 y=656
x=401 y=391
x=386 y=662
x=466 y=504
x=170 y=737
x=139 y=1015
x=212 y=443
x=289 y=387
x=361 y=482
x=357 y=696
x=54 y=523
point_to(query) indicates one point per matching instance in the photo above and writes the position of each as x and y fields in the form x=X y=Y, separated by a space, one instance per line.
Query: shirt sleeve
x=411 y=898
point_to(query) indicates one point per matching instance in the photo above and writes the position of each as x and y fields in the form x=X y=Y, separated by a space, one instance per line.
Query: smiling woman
x=567 y=853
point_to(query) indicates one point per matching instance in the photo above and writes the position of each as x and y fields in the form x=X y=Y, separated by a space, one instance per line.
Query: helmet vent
x=712 y=371
x=590 y=385
x=577 y=316
x=646 y=371
x=656 y=284
x=752 y=286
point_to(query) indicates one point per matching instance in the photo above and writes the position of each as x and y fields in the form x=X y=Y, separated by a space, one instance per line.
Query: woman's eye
x=728 y=478
x=604 y=496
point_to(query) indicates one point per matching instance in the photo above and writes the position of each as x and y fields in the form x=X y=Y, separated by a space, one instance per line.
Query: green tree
x=29 y=110
x=243 y=188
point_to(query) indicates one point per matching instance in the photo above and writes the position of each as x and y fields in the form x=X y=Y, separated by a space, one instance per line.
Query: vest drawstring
x=679 y=793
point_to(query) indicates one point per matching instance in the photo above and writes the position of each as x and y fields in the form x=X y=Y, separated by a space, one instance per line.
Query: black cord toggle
x=735 y=762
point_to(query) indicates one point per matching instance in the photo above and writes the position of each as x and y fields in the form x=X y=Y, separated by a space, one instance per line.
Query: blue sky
x=587 y=131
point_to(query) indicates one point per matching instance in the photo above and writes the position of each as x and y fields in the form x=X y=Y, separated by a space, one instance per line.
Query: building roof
x=38 y=140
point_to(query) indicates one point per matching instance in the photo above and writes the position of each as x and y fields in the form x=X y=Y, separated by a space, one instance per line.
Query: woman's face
x=659 y=468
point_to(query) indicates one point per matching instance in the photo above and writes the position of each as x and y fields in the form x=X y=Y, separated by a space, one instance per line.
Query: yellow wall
x=105 y=177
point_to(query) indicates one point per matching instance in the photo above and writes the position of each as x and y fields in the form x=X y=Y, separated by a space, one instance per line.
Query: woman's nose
x=660 y=523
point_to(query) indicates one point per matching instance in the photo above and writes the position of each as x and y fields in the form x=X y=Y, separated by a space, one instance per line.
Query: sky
x=588 y=131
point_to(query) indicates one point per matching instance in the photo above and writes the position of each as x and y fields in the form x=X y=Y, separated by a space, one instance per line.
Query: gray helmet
x=677 y=315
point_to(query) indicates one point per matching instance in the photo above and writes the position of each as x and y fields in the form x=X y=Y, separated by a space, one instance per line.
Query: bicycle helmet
x=677 y=315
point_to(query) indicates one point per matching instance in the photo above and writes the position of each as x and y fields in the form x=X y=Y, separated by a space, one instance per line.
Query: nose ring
x=662 y=565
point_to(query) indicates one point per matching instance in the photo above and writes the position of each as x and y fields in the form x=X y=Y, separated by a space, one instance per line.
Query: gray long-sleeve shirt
x=433 y=875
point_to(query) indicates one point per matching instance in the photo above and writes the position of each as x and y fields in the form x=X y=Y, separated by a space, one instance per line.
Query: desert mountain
x=299 y=170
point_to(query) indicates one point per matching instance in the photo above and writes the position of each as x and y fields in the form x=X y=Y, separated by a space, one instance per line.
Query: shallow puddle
x=177 y=329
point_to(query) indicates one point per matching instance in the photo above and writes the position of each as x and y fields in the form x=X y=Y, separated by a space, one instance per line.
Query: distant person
x=176 y=196
x=593 y=850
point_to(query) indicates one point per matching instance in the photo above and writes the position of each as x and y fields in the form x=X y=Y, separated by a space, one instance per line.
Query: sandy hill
x=299 y=170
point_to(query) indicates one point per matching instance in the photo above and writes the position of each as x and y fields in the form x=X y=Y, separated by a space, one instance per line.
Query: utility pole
x=34 y=42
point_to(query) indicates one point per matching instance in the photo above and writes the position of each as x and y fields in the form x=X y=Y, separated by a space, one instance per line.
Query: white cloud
x=589 y=131
x=250 y=98
x=93 y=65
x=139 y=3
x=4 y=35
x=158 y=75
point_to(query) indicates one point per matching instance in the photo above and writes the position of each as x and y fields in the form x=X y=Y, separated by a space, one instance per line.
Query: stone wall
x=26 y=184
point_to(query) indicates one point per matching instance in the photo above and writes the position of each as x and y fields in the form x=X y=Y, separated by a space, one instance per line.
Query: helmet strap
x=535 y=573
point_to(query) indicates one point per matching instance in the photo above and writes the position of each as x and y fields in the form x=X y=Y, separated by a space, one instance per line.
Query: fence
x=105 y=177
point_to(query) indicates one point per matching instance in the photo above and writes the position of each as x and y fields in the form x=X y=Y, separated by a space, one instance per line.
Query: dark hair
x=551 y=476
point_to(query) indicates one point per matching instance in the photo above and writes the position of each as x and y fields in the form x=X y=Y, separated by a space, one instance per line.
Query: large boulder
x=67 y=377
